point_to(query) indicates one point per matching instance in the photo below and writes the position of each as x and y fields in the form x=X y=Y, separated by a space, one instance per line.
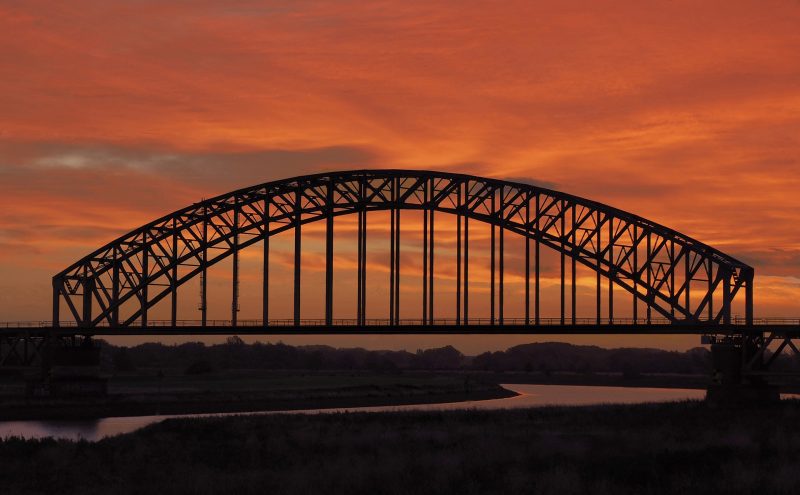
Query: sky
x=115 y=113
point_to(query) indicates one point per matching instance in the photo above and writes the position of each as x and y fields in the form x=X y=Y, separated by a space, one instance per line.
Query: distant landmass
x=198 y=358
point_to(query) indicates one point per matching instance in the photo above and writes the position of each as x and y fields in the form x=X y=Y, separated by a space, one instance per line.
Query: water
x=529 y=396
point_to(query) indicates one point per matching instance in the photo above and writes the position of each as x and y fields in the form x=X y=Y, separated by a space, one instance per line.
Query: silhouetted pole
x=88 y=288
x=536 y=260
x=635 y=273
x=687 y=284
x=204 y=272
x=49 y=338
x=359 y=247
x=396 y=288
x=174 y=278
x=649 y=279
x=748 y=298
x=611 y=273
x=265 y=266
x=430 y=255
x=710 y=285
x=114 y=292
x=563 y=257
x=56 y=302
x=364 y=267
x=672 y=279
x=574 y=251
x=329 y=257
x=492 y=260
x=598 y=264
x=726 y=298
x=392 y=227
x=502 y=260
x=458 y=256
x=528 y=258
x=145 y=276
x=297 y=254
x=466 y=268
x=425 y=256
x=360 y=267
x=235 y=285
x=362 y=256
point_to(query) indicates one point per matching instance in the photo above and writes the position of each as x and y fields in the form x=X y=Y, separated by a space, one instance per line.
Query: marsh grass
x=645 y=449
x=253 y=390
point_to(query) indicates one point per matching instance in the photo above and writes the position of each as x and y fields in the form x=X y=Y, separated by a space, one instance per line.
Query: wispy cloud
x=684 y=113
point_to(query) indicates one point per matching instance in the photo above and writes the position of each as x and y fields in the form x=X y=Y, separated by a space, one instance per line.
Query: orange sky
x=111 y=114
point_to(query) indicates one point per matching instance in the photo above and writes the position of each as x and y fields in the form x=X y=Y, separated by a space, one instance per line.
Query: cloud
x=60 y=194
x=683 y=113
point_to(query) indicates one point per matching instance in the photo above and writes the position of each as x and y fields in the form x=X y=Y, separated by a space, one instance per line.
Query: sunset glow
x=113 y=114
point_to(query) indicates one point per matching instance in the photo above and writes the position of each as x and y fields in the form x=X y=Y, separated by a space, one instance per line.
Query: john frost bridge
x=649 y=279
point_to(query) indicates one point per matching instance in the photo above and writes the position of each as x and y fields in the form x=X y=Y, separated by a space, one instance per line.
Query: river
x=529 y=396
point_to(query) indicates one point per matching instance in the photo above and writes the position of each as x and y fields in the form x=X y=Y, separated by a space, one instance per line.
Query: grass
x=645 y=449
x=249 y=380
x=253 y=390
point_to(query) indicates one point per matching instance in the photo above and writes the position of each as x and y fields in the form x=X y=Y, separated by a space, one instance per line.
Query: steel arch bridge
x=677 y=280
x=669 y=282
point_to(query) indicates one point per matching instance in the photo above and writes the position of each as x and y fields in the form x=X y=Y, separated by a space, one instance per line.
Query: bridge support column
x=204 y=272
x=563 y=241
x=396 y=288
x=425 y=259
x=501 y=282
x=298 y=237
x=394 y=255
x=56 y=301
x=732 y=382
x=265 y=268
x=235 y=276
x=88 y=289
x=329 y=258
x=537 y=271
x=492 y=252
x=466 y=270
x=458 y=258
x=573 y=282
x=527 y=260
x=144 y=280
x=361 y=274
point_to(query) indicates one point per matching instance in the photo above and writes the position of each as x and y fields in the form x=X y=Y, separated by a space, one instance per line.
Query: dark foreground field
x=144 y=394
x=669 y=448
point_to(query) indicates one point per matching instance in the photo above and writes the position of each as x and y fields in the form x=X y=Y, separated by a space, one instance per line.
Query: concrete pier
x=729 y=385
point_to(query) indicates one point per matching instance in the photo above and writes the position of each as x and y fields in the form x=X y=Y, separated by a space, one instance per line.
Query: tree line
x=197 y=357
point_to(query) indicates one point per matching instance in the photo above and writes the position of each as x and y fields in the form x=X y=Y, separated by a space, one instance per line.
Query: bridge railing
x=369 y=322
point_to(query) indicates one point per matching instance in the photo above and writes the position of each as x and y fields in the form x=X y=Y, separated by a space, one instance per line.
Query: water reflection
x=529 y=396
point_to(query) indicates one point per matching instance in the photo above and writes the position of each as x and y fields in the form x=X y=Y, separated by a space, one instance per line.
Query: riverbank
x=145 y=395
x=645 y=448
x=639 y=380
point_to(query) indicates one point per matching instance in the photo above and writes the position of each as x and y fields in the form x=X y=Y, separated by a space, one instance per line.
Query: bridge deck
x=514 y=326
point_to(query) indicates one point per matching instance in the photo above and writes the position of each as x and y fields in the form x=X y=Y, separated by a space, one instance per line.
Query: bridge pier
x=69 y=366
x=731 y=381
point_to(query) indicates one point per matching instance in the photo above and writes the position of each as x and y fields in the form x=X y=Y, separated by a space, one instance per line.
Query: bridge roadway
x=784 y=326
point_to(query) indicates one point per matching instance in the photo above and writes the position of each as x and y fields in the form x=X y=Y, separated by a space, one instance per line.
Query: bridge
x=648 y=278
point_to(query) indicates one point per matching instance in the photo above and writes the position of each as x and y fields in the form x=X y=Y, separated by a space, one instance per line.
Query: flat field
x=145 y=393
x=684 y=447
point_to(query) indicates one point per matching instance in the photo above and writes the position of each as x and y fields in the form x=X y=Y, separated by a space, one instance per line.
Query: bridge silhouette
x=667 y=282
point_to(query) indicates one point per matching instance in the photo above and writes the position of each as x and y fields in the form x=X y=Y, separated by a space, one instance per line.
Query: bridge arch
x=679 y=279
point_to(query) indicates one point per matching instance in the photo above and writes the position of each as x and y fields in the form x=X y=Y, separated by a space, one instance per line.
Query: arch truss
x=670 y=277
